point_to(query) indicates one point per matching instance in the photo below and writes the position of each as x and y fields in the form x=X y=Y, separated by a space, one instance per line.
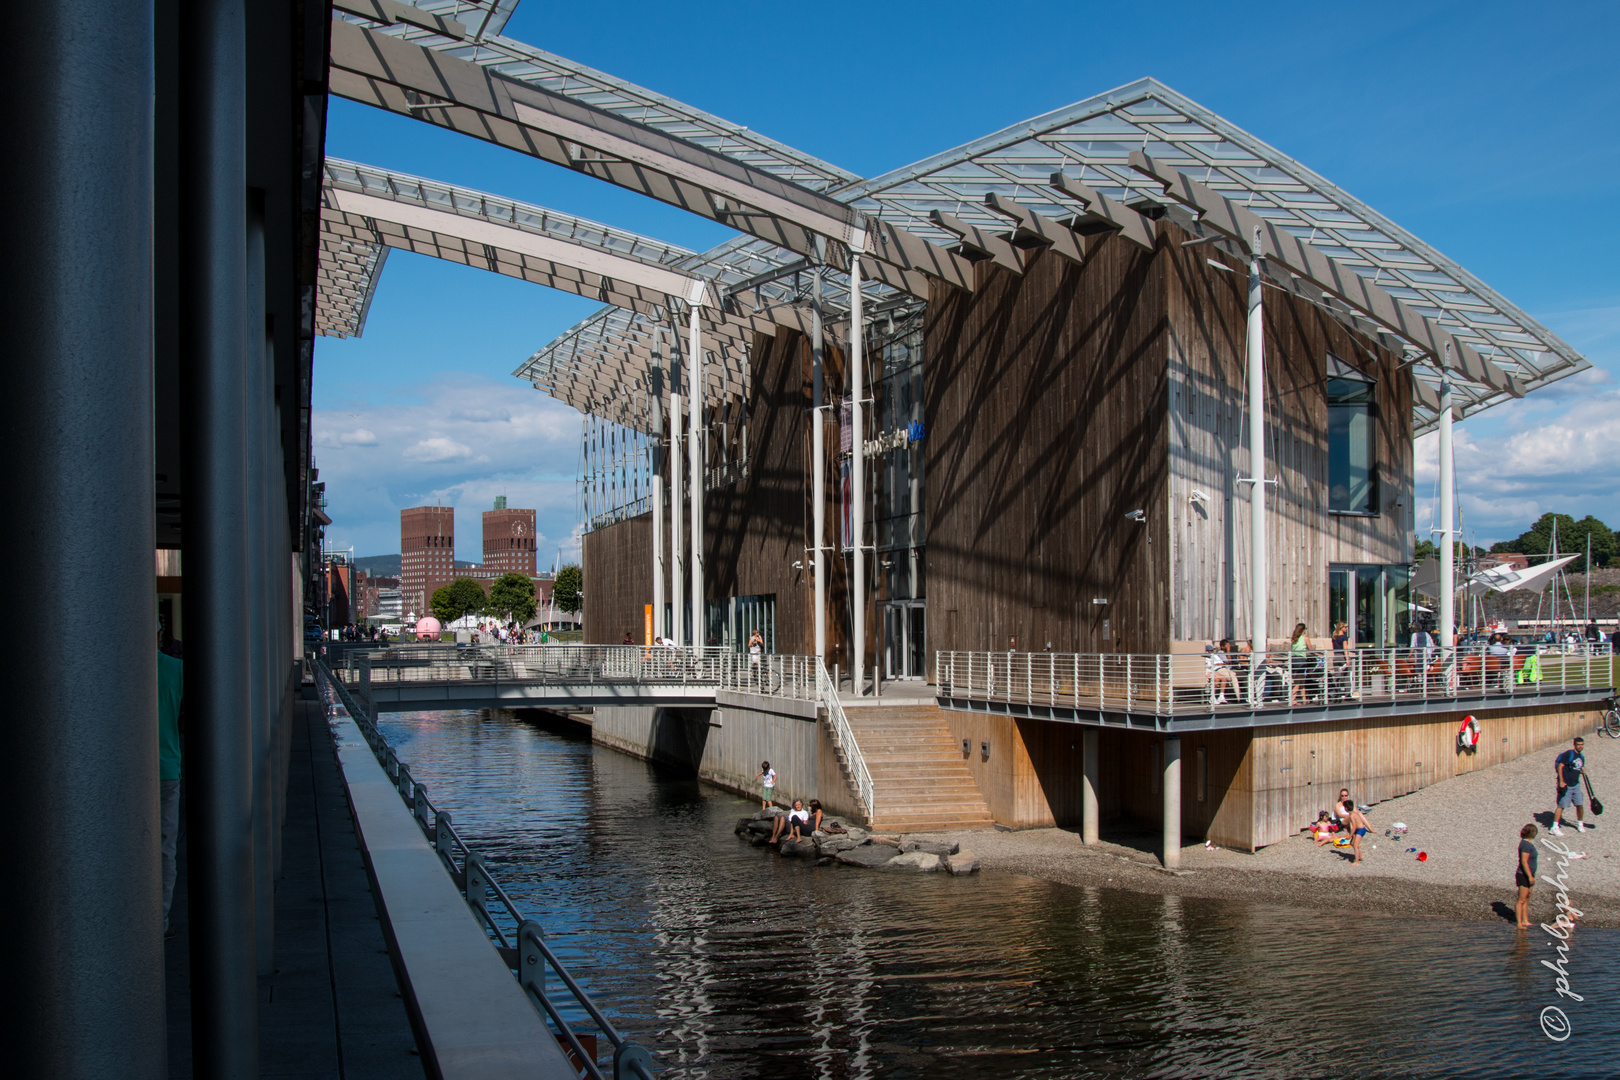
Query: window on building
x=1352 y=431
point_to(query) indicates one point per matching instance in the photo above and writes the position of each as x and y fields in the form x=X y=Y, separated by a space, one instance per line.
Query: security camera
x=1138 y=516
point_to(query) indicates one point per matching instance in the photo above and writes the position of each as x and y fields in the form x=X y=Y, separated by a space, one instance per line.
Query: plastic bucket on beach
x=1423 y=856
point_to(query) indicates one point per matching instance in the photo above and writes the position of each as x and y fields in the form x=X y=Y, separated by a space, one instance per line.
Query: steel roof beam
x=1033 y=228
x=1306 y=261
x=984 y=244
x=385 y=71
x=1130 y=223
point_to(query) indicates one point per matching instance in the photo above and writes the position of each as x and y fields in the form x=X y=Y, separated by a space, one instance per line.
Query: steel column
x=818 y=461
x=1172 y=802
x=1259 y=617
x=677 y=562
x=655 y=448
x=857 y=478
x=84 y=915
x=219 y=749
x=694 y=377
x=1448 y=546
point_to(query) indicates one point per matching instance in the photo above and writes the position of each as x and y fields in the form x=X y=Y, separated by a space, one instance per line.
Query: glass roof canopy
x=1091 y=142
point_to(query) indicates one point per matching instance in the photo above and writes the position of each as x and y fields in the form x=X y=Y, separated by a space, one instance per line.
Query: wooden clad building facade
x=1058 y=402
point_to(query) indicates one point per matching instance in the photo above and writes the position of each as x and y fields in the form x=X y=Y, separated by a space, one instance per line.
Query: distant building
x=509 y=540
x=427 y=554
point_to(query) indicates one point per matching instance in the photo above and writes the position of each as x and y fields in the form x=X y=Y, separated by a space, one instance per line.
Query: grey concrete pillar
x=213 y=367
x=1090 y=771
x=82 y=907
x=1172 y=802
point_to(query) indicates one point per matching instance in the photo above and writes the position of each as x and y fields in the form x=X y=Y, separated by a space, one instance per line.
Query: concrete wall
x=724 y=746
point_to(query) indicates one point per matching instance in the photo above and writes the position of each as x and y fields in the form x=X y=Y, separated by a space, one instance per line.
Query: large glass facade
x=899 y=519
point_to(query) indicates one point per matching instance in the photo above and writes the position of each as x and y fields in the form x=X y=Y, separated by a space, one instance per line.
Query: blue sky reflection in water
x=730 y=962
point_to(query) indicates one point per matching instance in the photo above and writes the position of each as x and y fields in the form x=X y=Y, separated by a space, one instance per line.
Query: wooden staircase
x=919 y=780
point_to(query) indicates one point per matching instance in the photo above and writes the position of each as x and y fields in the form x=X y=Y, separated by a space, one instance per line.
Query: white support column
x=1448 y=547
x=1091 y=773
x=656 y=456
x=1172 y=802
x=818 y=463
x=677 y=564
x=1258 y=568
x=857 y=475
x=694 y=367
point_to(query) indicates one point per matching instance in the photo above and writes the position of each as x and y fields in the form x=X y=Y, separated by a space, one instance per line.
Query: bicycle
x=1609 y=722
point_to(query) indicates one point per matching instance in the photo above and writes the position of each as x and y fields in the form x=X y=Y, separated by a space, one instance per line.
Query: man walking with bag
x=1568 y=768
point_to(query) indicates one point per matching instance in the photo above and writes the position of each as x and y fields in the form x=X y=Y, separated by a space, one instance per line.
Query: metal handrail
x=1164 y=684
x=478 y=885
x=844 y=738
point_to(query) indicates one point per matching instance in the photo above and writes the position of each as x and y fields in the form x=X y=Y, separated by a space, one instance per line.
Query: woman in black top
x=1524 y=875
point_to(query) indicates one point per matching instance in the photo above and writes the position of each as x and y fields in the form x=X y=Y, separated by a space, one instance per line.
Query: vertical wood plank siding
x=616 y=563
x=1045 y=404
x=1208 y=447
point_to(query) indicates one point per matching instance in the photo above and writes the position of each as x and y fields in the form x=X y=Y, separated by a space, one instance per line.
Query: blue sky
x=1489 y=130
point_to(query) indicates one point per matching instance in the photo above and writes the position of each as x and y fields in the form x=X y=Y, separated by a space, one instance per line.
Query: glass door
x=903 y=656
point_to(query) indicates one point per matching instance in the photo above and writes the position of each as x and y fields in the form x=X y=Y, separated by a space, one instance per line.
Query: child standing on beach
x=767 y=788
x=1524 y=875
x=1358 y=825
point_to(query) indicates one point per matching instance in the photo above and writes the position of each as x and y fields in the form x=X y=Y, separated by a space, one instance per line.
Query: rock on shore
x=858 y=847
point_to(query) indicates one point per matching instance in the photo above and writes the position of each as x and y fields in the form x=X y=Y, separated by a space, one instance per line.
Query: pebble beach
x=1468 y=826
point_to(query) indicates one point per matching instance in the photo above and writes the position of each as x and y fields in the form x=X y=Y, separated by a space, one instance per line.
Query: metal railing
x=844 y=739
x=773 y=675
x=520 y=940
x=785 y=676
x=1163 y=684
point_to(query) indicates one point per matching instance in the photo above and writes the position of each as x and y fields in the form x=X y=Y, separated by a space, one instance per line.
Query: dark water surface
x=728 y=961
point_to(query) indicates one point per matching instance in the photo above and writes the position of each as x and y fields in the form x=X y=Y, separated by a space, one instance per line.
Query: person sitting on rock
x=816 y=816
x=789 y=827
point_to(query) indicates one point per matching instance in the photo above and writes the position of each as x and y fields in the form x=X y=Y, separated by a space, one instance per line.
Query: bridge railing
x=519 y=939
x=1162 y=684
x=771 y=675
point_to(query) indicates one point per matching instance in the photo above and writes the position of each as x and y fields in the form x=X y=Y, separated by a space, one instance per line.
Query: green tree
x=512 y=598
x=568 y=591
x=1572 y=534
x=462 y=596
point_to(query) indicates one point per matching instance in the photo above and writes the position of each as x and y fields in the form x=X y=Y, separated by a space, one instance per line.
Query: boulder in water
x=832 y=844
x=921 y=861
x=867 y=856
x=933 y=847
x=796 y=848
x=763 y=828
x=962 y=862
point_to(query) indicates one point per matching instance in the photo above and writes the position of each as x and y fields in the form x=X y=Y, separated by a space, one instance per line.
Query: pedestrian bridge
x=414 y=678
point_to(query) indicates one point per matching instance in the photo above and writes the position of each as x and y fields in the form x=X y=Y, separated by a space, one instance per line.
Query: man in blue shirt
x=171 y=691
x=1568 y=768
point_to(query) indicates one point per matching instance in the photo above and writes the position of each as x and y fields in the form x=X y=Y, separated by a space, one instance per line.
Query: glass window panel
x=1352 y=466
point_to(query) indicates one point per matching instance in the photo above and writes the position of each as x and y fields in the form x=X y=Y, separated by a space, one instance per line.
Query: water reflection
x=730 y=962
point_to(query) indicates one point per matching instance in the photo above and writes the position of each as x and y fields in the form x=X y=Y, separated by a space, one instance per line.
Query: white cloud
x=459 y=441
x=357 y=437
x=439 y=448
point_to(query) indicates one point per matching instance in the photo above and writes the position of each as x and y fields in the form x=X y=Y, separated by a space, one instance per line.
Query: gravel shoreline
x=1468 y=825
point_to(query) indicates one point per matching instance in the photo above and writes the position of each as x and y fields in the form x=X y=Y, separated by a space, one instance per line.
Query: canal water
x=730 y=962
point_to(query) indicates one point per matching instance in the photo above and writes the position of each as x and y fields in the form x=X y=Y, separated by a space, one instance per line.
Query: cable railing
x=520 y=940
x=776 y=675
x=1163 y=684
x=771 y=675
